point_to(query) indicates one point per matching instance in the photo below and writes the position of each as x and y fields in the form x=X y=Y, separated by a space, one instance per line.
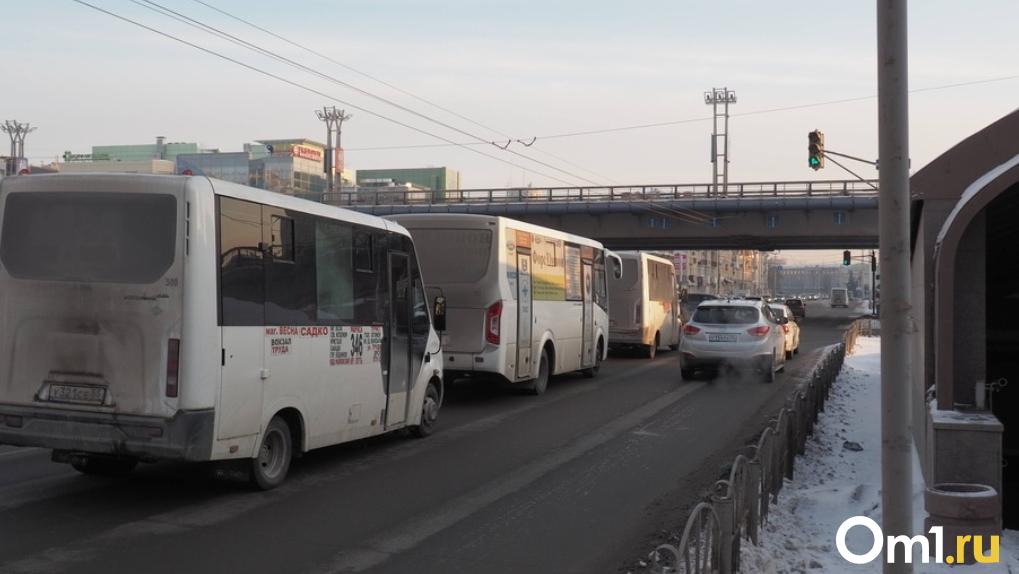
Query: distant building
x=425 y=178
x=136 y=152
x=155 y=166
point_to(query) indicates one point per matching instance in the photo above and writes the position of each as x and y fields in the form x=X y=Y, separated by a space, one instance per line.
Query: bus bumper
x=186 y=436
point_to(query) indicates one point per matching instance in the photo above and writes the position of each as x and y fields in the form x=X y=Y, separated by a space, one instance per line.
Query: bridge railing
x=824 y=188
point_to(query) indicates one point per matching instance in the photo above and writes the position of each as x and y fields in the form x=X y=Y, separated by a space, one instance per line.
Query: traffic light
x=815 y=147
x=847 y=257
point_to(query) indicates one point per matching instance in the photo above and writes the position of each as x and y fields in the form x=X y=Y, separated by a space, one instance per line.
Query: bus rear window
x=453 y=255
x=89 y=237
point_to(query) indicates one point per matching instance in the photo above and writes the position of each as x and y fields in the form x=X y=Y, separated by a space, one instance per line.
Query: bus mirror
x=617 y=264
x=439 y=314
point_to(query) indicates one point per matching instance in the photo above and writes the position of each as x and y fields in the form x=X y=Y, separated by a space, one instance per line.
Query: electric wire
x=308 y=88
x=394 y=87
x=163 y=10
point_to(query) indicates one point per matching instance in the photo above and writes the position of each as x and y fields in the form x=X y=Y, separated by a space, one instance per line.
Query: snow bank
x=833 y=482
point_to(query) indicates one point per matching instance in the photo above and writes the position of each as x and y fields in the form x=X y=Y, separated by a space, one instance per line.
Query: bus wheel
x=539 y=384
x=429 y=412
x=591 y=372
x=103 y=466
x=652 y=350
x=269 y=468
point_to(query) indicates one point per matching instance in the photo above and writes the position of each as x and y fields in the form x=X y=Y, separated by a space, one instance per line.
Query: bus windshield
x=453 y=255
x=89 y=237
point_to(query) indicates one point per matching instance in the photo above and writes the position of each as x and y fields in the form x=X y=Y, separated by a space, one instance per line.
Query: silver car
x=735 y=332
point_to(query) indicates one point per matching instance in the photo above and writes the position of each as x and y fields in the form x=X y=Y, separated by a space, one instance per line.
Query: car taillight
x=493 y=318
x=690 y=330
x=759 y=331
x=172 y=367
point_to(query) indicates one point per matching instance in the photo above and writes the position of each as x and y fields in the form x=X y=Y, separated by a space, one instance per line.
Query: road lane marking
x=417 y=530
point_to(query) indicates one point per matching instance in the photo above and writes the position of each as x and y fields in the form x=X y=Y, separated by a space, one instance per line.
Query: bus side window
x=290 y=297
x=241 y=265
x=334 y=271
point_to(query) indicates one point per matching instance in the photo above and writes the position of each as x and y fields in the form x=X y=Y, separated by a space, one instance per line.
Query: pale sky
x=527 y=68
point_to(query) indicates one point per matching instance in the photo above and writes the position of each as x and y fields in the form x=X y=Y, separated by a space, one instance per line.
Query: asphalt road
x=584 y=479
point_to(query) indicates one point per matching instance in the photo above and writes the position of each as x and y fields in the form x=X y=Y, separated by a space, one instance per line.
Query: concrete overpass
x=831 y=214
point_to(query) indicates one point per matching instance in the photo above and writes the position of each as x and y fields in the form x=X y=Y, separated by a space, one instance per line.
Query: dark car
x=798 y=308
x=692 y=300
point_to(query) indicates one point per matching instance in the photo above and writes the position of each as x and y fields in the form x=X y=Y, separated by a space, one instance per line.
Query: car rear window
x=793 y=302
x=726 y=315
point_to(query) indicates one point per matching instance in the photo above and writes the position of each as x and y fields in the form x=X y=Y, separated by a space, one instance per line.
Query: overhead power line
x=180 y=17
x=392 y=86
x=708 y=118
x=309 y=89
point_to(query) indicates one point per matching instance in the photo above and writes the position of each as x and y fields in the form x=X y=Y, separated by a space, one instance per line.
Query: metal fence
x=737 y=506
x=824 y=188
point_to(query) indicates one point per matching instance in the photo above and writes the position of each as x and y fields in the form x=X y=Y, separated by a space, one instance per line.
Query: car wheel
x=429 y=412
x=769 y=371
x=788 y=355
x=269 y=468
x=539 y=384
x=686 y=374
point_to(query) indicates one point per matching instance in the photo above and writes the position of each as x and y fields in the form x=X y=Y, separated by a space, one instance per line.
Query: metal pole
x=714 y=143
x=725 y=145
x=873 y=282
x=893 y=242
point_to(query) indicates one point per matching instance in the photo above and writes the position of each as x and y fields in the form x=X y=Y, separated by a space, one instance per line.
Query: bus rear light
x=690 y=330
x=493 y=320
x=759 y=331
x=637 y=315
x=172 y=367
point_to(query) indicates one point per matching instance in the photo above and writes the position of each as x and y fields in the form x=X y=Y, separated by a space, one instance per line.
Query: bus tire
x=269 y=468
x=592 y=372
x=539 y=384
x=104 y=466
x=429 y=411
x=651 y=350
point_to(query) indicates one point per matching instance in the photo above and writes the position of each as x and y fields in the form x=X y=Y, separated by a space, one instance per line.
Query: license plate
x=77 y=394
x=721 y=338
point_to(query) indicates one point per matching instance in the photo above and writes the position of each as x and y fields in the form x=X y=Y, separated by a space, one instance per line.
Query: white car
x=737 y=332
x=791 y=328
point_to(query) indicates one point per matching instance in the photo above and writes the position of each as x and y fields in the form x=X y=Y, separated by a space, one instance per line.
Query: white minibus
x=644 y=305
x=175 y=317
x=523 y=302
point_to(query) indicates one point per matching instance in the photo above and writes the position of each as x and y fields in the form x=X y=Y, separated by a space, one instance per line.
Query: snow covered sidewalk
x=840 y=477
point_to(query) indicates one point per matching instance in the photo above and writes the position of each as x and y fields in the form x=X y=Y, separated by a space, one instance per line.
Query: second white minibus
x=644 y=305
x=523 y=302
x=173 y=317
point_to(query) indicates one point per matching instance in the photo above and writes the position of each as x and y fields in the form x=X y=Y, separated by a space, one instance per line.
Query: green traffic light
x=814 y=161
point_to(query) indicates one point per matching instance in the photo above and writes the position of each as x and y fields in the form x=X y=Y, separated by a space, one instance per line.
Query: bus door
x=587 y=348
x=525 y=320
x=243 y=245
x=398 y=377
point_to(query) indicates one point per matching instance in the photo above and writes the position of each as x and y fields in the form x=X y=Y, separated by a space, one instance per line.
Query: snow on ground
x=832 y=483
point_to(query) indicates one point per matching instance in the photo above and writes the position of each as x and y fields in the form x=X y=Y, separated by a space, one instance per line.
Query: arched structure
x=964 y=251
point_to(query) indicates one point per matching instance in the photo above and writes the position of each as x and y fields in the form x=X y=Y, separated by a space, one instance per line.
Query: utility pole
x=333 y=119
x=342 y=117
x=17 y=132
x=719 y=156
x=896 y=308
